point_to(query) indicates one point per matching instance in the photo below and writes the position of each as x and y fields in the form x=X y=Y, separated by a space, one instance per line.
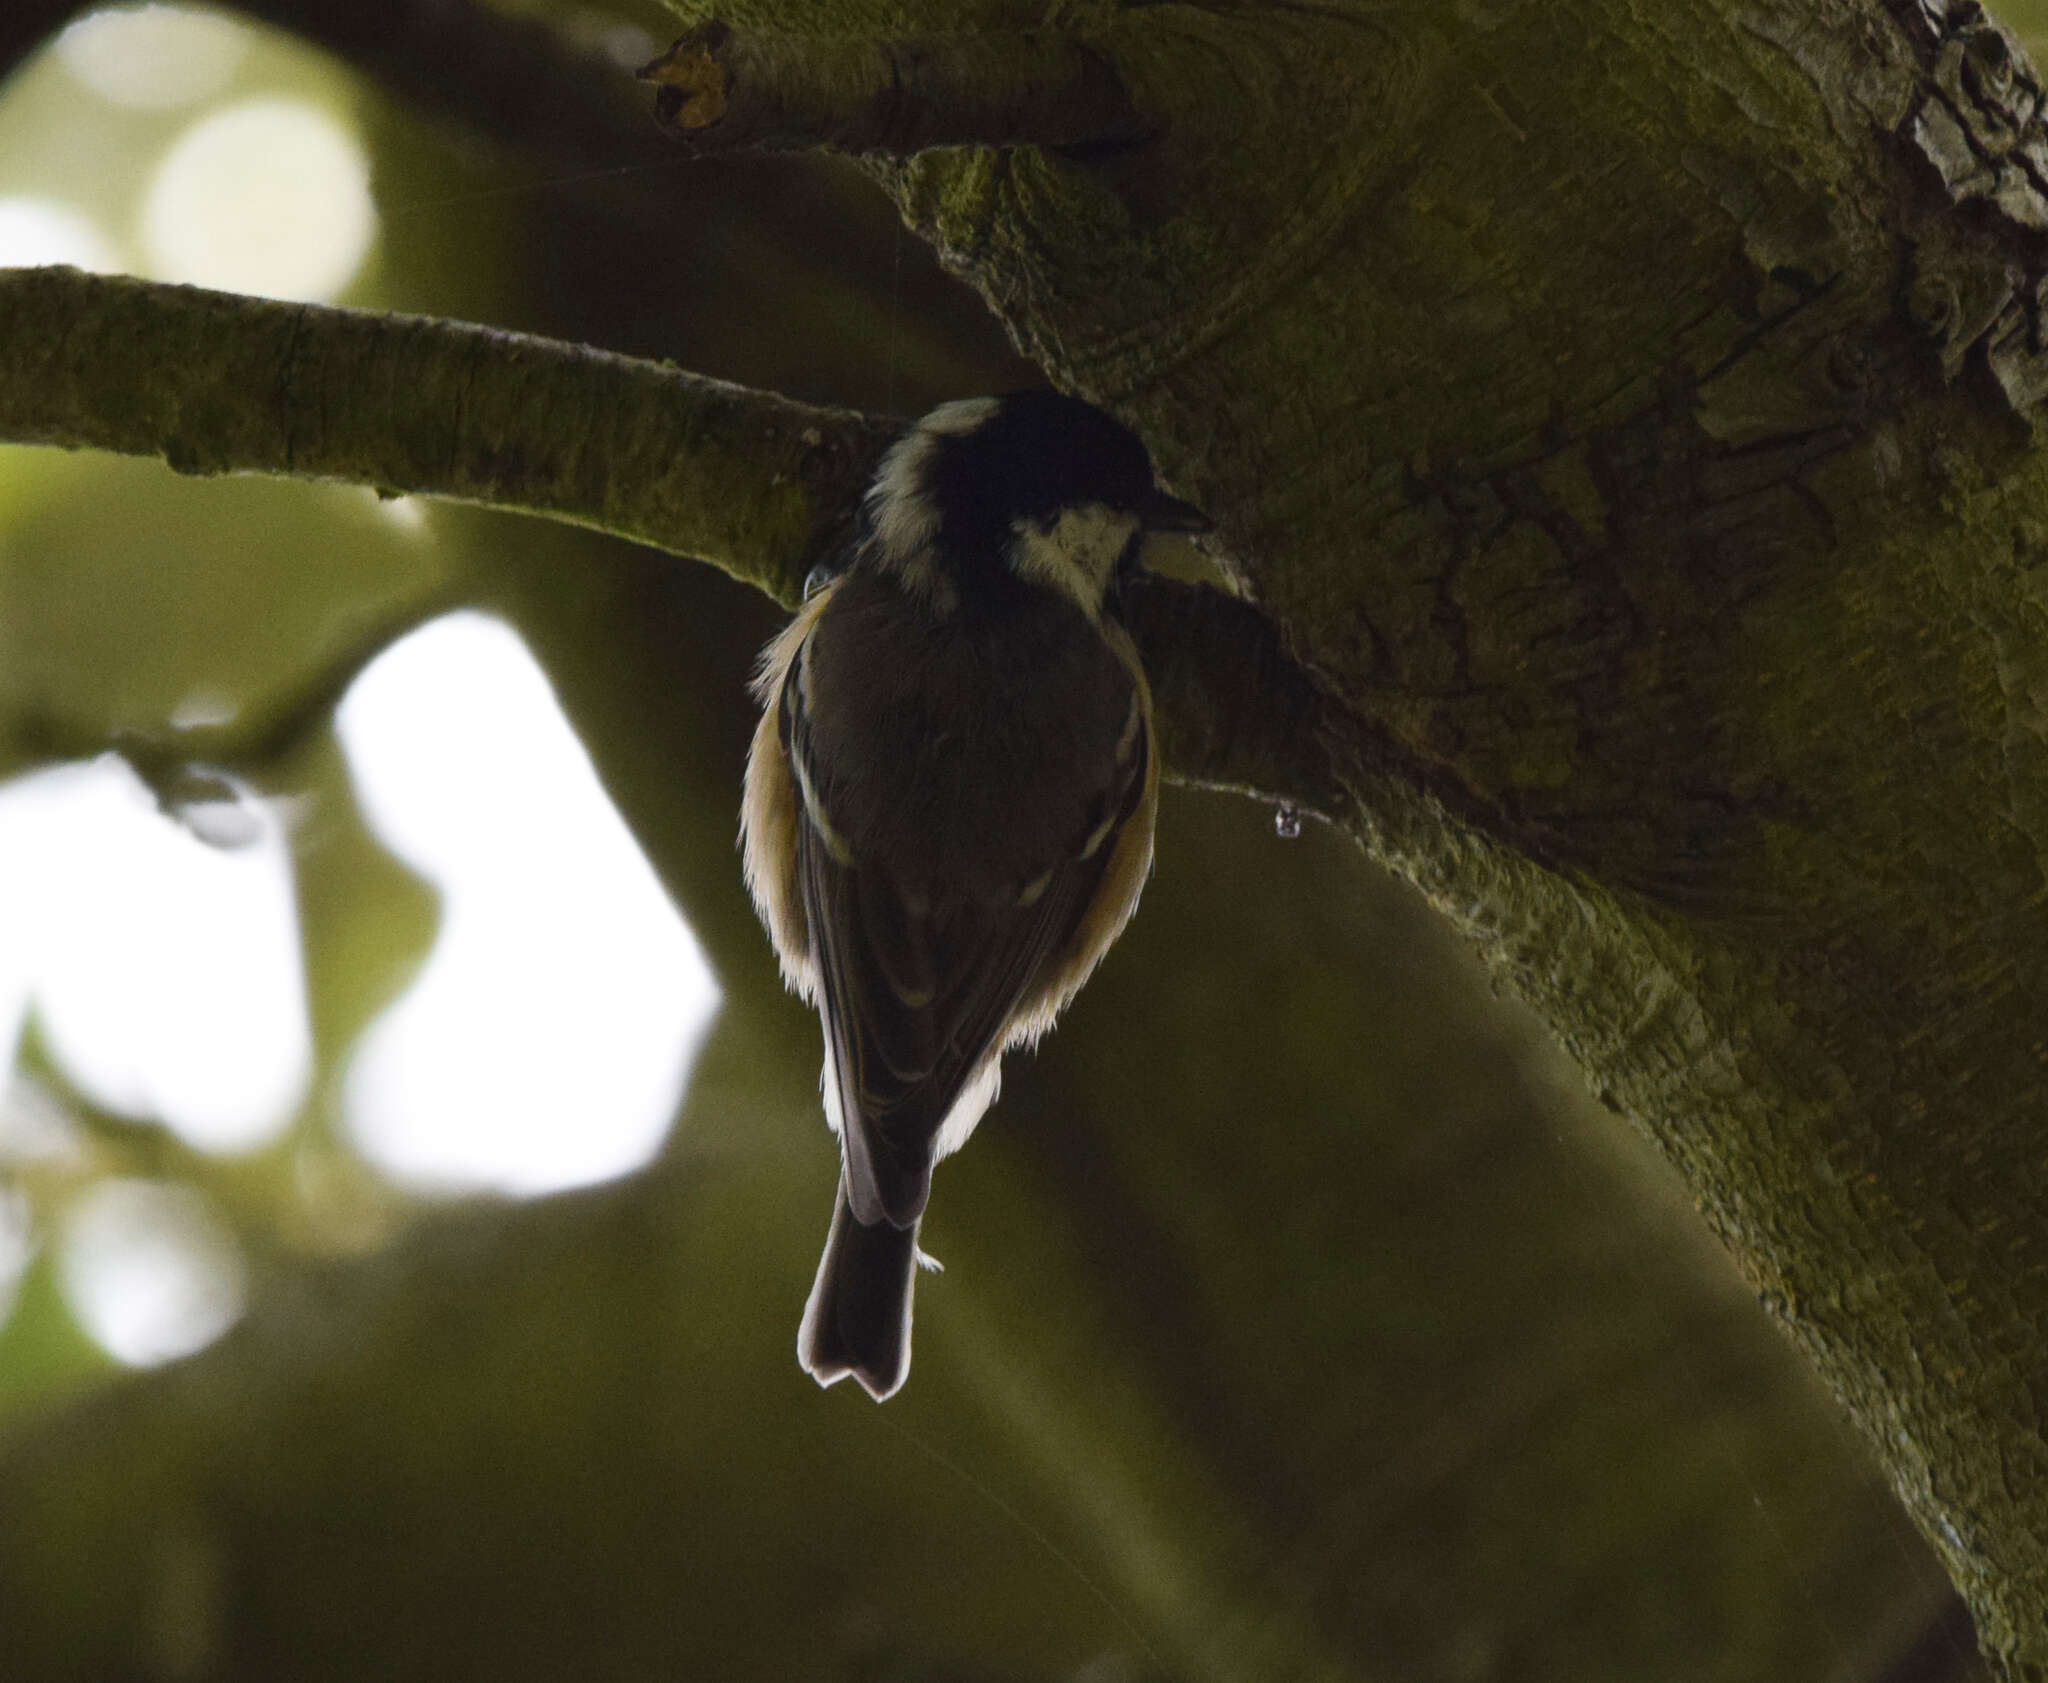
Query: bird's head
x=1033 y=486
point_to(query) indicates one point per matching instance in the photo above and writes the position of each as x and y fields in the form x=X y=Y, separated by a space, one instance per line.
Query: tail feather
x=858 y=1318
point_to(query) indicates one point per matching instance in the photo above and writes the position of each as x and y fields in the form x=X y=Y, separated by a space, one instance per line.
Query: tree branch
x=517 y=79
x=536 y=91
x=215 y=383
x=192 y=769
x=1236 y=710
x=760 y=486
x=725 y=90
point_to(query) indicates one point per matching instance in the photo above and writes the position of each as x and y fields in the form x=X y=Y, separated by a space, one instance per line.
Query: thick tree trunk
x=1626 y=411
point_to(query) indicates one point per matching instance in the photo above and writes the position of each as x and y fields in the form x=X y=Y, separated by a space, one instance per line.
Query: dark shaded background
x=1301 y=1319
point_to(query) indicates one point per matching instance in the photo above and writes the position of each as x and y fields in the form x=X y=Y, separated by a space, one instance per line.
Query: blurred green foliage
x=1301 y=1320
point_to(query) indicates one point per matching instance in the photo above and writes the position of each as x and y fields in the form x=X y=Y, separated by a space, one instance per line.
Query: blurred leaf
x=140 y=593
x=46 y=1358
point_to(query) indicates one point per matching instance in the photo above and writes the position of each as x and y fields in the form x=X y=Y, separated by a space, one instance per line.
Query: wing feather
x=917 y=996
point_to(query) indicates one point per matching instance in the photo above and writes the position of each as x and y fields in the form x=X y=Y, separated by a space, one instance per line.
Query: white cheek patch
x=1075 y=554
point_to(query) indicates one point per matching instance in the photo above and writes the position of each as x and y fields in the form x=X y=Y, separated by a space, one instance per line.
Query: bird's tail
x=858 y=1318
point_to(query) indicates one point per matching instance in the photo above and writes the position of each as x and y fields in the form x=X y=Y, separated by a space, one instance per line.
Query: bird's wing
x=917 y=995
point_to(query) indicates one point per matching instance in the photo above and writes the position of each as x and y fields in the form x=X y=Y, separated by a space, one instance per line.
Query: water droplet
x=1286 y=821
x=211 y=805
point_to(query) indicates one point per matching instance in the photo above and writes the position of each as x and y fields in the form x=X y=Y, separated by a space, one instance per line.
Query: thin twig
x=538 y=92
x=727 y=90
x=1236 y=711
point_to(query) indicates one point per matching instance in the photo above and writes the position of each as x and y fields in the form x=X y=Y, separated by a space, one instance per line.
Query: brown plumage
x=949 y=809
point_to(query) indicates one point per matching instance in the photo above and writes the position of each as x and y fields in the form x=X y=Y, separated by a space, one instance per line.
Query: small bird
x=949 y=805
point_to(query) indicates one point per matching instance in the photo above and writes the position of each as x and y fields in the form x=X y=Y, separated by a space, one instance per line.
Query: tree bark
x=1626 y=413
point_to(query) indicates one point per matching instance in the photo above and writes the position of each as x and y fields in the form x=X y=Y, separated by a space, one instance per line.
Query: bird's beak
x=1162 y=513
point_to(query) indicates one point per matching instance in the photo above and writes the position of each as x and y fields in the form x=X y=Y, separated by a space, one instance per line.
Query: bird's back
x=969 y=775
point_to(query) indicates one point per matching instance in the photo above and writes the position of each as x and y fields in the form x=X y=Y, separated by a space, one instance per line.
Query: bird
x=949 y=805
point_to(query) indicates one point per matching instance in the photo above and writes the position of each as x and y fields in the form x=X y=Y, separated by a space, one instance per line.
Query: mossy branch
x=215 y=383
x=726 y=90
x=760 y=486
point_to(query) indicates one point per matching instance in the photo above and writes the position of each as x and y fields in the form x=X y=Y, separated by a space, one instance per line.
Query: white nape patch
x=962 y=415
x=1076 y=554
x=900 y=508
x=905 y=519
